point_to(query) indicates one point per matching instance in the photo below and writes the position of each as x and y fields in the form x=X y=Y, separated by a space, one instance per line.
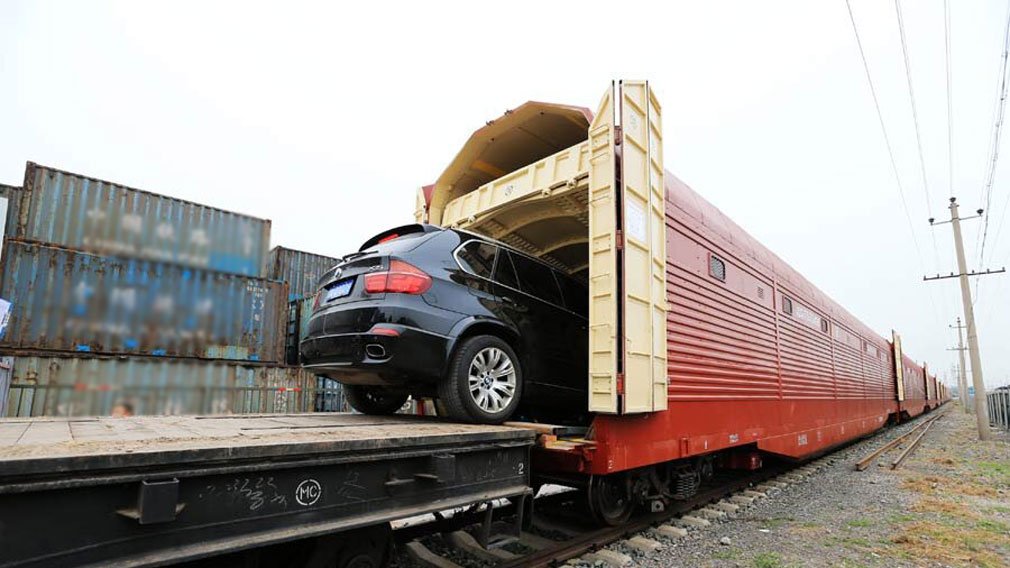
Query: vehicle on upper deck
x=430 y=312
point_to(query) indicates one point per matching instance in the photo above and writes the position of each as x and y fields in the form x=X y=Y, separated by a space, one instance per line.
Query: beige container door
x=899 y=367
x=627 y=260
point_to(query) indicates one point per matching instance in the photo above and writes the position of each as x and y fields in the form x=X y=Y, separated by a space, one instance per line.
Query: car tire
x=491 y=367
x=372 y=400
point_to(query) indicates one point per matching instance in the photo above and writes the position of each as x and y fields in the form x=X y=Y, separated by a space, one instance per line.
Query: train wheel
x=610 y=499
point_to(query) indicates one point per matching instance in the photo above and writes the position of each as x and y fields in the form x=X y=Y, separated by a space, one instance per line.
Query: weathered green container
x=301 y=270
x=88 y=214
x=91 y=386
x=69 y=301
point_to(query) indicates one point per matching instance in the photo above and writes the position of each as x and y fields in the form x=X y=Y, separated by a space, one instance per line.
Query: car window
x=536 y=279
x=477 y=258
x=504 y=273
x=575 y=293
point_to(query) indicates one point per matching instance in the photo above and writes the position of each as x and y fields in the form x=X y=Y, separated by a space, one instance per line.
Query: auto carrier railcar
x=706 y=349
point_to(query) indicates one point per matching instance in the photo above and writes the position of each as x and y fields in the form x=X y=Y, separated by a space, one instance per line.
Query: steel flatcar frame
x=151 y=491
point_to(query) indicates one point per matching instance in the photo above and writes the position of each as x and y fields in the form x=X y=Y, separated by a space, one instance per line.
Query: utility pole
x=962 y=379
x=981 y=407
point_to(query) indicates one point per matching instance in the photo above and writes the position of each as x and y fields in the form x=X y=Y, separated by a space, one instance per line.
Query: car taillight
x=318 y=300
x=401 y=278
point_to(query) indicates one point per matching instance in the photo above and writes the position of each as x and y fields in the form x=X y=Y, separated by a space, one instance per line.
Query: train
x=707 y=350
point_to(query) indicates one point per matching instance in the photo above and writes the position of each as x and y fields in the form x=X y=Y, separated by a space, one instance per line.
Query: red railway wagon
x=706 y=349
x=912 y=395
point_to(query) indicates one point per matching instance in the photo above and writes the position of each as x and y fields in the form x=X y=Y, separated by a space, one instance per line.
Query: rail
x=919 y=429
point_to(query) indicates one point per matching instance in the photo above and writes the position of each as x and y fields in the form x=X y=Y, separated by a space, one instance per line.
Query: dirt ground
x=949 y=505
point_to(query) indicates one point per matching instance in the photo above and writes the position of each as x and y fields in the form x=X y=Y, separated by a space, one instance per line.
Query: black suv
x=426 y=311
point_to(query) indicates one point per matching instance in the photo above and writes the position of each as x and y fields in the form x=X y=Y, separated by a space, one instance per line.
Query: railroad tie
x=742 y=500
x=608 y=557
x=711 y=514
x=670 y=531
x=690 y=521
x=726 y=507
x=643 y=544
x=465 y=541
x=424 y=557
x=536 y=542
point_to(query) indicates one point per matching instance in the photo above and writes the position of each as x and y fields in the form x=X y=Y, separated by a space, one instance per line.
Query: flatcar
x=706 y=349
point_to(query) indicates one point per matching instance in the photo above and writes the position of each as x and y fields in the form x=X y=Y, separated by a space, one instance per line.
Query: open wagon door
x=627 y=253
x=899 y=366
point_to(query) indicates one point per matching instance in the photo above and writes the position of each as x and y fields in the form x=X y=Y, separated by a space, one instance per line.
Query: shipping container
x=79 y=302
x=91 y=386
x=9 y=197
x=88 y=214
x=6 y=364
x=299 y=314
x=329 y=396
x=301 y=270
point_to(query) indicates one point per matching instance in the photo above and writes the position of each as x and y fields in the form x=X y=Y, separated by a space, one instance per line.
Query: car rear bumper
x=412 y=356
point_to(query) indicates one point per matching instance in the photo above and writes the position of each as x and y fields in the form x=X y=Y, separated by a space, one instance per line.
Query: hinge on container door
x=619 y=239
x=620 y=383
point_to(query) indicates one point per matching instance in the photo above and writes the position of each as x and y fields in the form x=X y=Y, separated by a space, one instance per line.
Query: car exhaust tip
x=375 y=351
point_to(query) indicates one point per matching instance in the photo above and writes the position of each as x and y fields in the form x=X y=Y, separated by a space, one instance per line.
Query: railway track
x=918 y=432
x=556 y=515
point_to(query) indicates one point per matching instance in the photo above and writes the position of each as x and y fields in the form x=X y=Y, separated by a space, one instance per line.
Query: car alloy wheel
x=484 y=382
x=491 y=380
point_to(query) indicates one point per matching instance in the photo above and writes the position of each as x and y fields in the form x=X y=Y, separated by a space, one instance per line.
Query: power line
x=911 y=98
x=915 y=121
x=890 y=150
x=997 y=132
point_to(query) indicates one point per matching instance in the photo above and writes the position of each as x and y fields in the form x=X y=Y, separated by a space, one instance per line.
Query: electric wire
x=890 y=150
x=915 y=122
x=915 y=111
x=997 y=131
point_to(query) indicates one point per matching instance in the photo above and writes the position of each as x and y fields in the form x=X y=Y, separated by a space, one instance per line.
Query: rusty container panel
x=299 y=314
x=83 y=213
x=301 y=270
x=91 y=386
x=78 y=302
x=6 y=364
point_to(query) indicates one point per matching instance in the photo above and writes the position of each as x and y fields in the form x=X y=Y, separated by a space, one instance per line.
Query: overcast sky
x=326 y=117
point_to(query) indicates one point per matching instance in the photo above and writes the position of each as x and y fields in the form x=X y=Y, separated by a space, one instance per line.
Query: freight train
x=706 y=349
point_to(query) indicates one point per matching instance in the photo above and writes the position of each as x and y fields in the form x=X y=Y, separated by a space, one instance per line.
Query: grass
x=731 y=554
x=860 y=523
x=856 y=542
x=997 y=471
x=979 y=545
x=899 y=518
x=767 y=560
x=773 y=522
x=996 y=527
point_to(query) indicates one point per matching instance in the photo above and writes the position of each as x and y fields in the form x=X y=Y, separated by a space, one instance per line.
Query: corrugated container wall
x=78 y=302
x=73 y=386
x=6 y=364
x=301 y=270
x=83 y=213
x=299 y=314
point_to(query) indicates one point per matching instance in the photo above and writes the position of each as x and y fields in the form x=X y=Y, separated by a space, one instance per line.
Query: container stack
x=302 y=271
x=119 y=295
